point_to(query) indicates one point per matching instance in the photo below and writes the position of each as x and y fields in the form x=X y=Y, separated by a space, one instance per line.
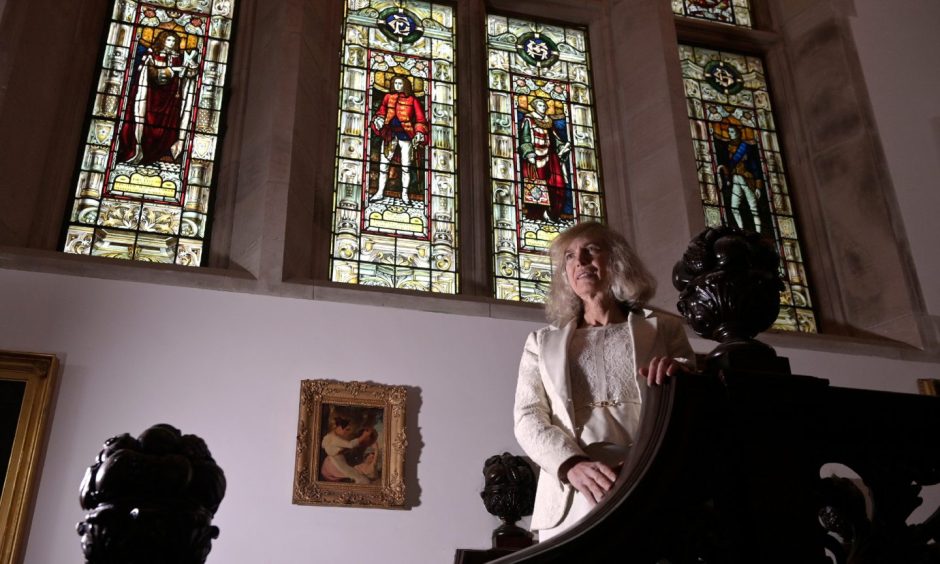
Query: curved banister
x=726 y=469
x=665 y=416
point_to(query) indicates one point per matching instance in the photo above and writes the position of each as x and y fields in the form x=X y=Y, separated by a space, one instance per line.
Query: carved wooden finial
x=509 y=493
x=151 y=500
x=729 y=291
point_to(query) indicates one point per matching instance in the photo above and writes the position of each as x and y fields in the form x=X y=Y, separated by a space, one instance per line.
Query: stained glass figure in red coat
x=400 y=121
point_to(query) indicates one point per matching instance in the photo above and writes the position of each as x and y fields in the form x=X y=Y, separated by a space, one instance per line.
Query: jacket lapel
x=555 y=364
x=643 y=325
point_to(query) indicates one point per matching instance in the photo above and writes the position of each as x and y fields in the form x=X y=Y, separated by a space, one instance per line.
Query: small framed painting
x=928 y=386
x=350 y=444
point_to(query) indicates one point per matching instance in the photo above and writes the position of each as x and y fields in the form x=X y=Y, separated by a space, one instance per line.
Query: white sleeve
x=333 y=444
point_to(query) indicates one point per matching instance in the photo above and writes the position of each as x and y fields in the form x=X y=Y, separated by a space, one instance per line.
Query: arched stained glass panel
x=395 y=195
x=740 y=165
x=544 y=165
x=733 y=12
x=145 y=177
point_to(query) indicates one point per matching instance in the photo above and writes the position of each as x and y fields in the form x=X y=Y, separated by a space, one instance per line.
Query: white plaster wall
x=228 y=366
x=899 y=63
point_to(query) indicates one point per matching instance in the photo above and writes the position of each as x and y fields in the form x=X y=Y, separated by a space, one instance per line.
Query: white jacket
x=544 y=414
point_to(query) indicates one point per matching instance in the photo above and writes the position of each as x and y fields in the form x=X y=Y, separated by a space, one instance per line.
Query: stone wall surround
x=270 y=231
x=869 y=268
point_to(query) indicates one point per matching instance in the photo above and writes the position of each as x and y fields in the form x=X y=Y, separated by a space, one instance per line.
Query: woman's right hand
x=592 y=478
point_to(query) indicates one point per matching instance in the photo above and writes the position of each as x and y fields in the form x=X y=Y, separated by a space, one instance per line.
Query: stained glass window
x=740 y=166
x=145 y=177
x=734 y=12
x=395 y=193
x=543 y=160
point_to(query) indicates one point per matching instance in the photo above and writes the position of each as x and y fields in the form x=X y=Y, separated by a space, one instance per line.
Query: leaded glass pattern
x=395 y=192
x=544 y=166
x=740 y=166
x=733 y=12
x=145 y=176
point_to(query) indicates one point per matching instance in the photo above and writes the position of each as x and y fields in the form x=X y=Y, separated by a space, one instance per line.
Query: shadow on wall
x=414 y=448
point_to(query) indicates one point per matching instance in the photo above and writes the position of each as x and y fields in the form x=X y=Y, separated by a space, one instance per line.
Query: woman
x=578 y=397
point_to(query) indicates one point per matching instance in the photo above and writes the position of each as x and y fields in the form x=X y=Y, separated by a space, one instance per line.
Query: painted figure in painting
x=350 y=454
x=160 y=102
x=546 y=183
x=399 y=120
x=742 y=180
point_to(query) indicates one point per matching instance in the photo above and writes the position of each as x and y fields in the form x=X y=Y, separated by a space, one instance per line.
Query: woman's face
x=586 y=265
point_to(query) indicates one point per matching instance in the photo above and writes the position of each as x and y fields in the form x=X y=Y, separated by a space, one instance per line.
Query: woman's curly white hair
x=630 y=282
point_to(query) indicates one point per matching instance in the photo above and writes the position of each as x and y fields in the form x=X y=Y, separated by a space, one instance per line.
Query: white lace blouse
x=603 y=380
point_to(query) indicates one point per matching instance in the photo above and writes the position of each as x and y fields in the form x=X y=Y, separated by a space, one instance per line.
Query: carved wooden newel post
x=729 y=291
x=509 y=494
x=151 y=500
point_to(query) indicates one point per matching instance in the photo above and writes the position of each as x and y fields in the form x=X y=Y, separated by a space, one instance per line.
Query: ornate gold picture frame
x=27 y=386
x=350 y=444
x=928 y=386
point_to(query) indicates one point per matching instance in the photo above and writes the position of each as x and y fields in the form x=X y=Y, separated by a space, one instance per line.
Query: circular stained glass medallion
x=400 y=25
x=537 y=50
x=723 y=77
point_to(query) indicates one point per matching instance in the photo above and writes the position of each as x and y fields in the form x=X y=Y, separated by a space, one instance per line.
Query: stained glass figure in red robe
x=546 y=184
x=160 y=102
